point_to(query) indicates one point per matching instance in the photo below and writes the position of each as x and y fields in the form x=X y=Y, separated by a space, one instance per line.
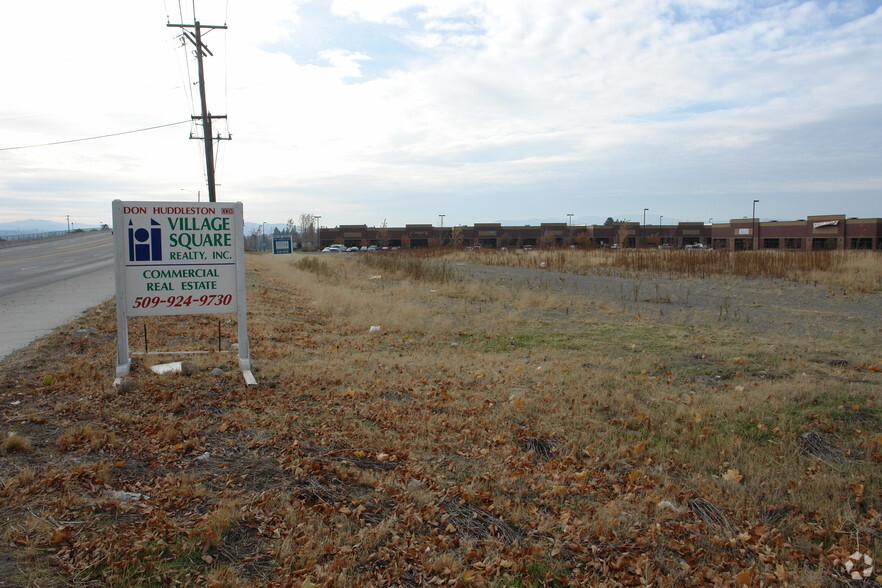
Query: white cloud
x=339 y=106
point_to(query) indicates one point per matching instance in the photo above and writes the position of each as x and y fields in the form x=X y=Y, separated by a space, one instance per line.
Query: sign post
x=175 y=258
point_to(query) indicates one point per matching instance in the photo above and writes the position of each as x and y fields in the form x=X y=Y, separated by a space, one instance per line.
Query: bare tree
x=291 y=231
x=383 y=235
x=253 y=240
x=307 y=236
x=622 y=234
x=456 y=236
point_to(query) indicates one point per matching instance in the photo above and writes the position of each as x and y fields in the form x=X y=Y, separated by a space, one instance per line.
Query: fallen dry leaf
x=733 y=476
x=744 y=578
x=62 y=534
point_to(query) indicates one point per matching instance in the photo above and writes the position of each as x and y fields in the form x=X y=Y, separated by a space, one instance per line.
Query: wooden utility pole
x=206 y=116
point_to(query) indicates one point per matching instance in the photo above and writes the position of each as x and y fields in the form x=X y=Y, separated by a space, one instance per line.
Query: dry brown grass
x=213 y=526
x=84 y=438
x=859 y=271
x=13 y=442
x=488 y=434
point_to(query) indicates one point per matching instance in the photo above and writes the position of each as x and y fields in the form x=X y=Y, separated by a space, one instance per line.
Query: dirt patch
x=9 y=569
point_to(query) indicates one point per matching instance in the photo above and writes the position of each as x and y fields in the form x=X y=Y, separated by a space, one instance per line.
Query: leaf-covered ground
x=483 y=436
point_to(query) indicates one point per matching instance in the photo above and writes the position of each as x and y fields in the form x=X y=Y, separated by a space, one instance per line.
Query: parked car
x=665 y=246
x=353 y=250
x=372 y=248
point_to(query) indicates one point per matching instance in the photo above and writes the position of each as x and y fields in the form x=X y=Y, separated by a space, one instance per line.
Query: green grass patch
x=535 y=574
x=158 y=565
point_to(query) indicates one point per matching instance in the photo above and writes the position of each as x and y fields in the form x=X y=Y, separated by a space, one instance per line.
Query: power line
x=97 y=137
x=206 y=117
x=189 y=90
x=189 y=95
x=185 y=84
x=22 y=117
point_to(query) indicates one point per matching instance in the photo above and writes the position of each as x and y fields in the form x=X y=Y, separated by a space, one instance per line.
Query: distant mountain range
x=40 y=226
x=258 y=228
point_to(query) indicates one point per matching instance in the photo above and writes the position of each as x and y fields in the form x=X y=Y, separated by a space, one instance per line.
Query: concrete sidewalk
x=28 y=315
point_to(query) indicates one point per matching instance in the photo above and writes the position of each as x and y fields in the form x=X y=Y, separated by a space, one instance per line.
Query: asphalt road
x=45 y=285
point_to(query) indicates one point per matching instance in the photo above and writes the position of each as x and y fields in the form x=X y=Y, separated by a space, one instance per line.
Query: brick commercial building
x=814 y=233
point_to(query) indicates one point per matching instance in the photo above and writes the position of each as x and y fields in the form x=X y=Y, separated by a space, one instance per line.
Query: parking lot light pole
x=643 y=228
x=570 y=225
x=753 y=220
x=318 y=233
x=441 y=235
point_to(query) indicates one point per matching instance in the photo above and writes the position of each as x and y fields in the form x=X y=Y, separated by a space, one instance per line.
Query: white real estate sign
x=176 y=258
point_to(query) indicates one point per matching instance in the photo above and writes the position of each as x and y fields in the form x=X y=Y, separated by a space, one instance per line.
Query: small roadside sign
x=281 y=245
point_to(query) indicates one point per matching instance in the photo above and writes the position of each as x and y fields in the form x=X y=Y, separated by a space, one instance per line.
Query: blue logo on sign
x=145 y=244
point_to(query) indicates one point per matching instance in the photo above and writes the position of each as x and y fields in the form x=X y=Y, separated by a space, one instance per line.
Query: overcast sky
x=480 y=110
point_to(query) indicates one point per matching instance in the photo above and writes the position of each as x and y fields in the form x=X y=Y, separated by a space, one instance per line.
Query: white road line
x=30 y=268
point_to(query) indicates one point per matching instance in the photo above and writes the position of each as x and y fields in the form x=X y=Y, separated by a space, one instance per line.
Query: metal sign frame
x=210 y=243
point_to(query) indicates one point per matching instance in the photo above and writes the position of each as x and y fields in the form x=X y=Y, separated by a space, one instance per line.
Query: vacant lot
x=516 y=425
